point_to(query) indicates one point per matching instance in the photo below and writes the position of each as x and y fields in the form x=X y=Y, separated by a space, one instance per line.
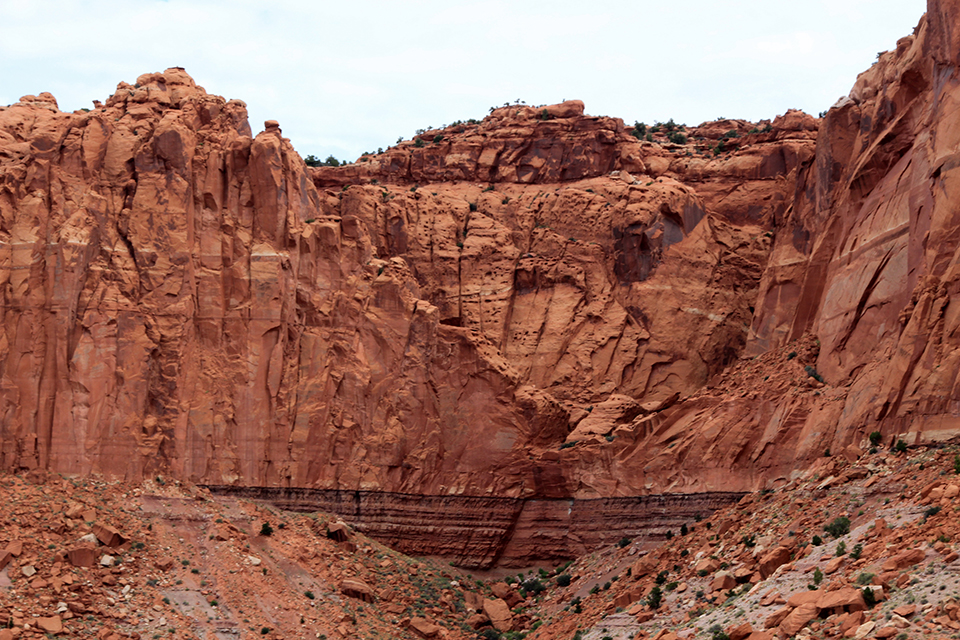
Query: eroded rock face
x=180 y=296
x=537 y=306
x=167 y=306
x=867 y=258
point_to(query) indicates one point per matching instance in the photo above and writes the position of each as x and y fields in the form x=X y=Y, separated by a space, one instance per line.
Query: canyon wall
x=180 y=297
x=537 y=306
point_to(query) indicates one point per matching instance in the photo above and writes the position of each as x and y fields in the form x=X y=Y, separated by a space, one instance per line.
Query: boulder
x=108 y=536
x=903 y=560
x=798 y=618
x=773 y=560
x=499 y=613
x=355 y=588
x=424 y=628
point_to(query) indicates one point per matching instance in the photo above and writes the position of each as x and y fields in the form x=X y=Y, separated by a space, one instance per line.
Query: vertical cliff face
x=180 y=297
x=168 y=308
x=867 y=258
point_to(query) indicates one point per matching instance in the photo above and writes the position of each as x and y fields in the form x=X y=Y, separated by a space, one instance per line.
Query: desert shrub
x=841 y=548
x=266 y=529
x=839 y=527
x=418 y=142
x=624 y=542
x=312 y=161
x=865 y=578
x=901 y=446
x=563 y=580
x=857 y=551
x=813 y=373
x=532 y=585
x=677 y=137
x=875 y=437
x=869 y=597
x=817 y=576
x=655 y=598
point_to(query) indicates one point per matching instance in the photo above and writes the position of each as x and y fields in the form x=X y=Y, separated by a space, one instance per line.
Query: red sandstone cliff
x=442 y=317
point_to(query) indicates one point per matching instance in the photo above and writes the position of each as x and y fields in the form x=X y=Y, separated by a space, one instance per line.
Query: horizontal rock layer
x=480 y=532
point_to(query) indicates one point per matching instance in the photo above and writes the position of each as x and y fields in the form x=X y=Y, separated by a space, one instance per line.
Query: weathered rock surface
x=201 y=308
x=538 y=306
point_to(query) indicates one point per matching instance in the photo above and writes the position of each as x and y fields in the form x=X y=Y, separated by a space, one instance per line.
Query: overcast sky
x=350 y=76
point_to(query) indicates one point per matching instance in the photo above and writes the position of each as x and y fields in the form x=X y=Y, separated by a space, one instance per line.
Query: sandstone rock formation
x=179 y=296
x=536 y=306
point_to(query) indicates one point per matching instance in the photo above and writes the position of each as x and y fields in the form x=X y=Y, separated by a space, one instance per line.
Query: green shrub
x=956 y=465
x=857 y=551
x=875 y=437
x=839 y=527
x=266 y=529
x=841 y=548
x=309 y=594
x=662 y=577
x=869 y=597
x=865 y=578
x=624 y=542
x=813 y=373
x=312 y=161
x=817 y=576
x=901 y=446
x=437 y=139
x=677 y=138
x=655 y=598
x=532 y=585
x=563 y=580
x=418 y=142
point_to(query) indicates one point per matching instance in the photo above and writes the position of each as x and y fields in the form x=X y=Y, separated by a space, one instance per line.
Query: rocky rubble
x=859 y=547
x=91 y=559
